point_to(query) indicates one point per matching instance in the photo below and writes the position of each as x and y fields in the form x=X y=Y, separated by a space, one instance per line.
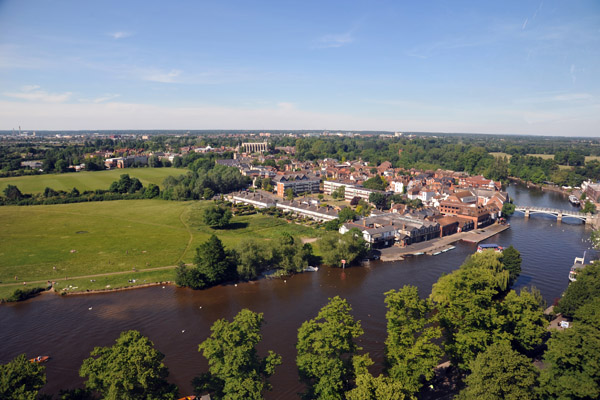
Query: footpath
x=430 y=247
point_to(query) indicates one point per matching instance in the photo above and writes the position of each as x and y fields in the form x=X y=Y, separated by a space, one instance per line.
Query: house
x=299 y=183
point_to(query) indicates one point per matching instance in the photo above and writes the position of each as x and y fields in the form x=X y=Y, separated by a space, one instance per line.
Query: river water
x=177 y=320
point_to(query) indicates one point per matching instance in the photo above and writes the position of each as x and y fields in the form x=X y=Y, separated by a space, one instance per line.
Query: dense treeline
x=204 y=175
x=126 y=188
x=489 y=332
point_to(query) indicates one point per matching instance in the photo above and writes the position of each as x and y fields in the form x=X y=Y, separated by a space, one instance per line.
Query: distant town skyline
x=516 y=67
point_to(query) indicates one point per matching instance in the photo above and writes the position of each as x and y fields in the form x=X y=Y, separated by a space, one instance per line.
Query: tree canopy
x=500 y=373
x=130 y=369
x=236 y=371
x=325 y=349
x=336 y=247
x=581 y=291
x=21 y=379
x=216 y=216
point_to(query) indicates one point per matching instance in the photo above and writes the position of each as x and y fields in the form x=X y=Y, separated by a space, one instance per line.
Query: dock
x=441 y=245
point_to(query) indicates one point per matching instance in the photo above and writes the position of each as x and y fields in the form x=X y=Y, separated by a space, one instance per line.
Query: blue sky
x=517 y=67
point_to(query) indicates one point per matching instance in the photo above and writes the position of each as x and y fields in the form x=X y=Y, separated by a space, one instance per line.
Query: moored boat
x=578 y=264
x=39 y=359
x=497 y=248
x=574 y=200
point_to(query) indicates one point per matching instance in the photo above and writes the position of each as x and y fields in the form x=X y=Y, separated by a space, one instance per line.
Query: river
x=177 y=320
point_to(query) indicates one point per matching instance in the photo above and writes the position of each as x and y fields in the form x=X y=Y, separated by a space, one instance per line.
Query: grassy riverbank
x=66 y=241
x=88 y=180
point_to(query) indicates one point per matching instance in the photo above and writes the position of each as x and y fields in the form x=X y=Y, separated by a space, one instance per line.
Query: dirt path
x=187 y=227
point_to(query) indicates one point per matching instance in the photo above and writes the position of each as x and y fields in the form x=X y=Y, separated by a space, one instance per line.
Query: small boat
x=574 y=200
x=310 y=268
x=497 y=248
x=419 y=254
x=39 y=359
x=189 y=398
x=437 y=253
x=578 y=264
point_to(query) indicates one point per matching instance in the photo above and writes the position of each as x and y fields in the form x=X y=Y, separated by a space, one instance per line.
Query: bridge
x=559 y=214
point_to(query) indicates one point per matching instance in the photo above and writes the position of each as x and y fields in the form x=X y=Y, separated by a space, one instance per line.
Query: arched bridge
x=559 y=214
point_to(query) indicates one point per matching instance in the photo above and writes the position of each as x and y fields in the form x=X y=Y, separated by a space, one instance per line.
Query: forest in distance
x=490 y=334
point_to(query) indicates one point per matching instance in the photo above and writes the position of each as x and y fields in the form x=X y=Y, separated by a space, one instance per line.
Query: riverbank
x=442 y=244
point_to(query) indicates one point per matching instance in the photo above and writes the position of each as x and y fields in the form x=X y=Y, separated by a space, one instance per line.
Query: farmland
x=65 y=241
x=87 y=180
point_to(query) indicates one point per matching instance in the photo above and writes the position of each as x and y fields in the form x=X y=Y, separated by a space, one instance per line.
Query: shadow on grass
x=235 y=225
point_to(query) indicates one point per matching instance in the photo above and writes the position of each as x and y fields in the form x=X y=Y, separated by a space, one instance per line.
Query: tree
x=214 y=263
x=589 y=207
x=216 y=217
x=208 y=193
x=380 y=200
x=501 y=373
x=235 y=370
x=290 y=255
x=11 y=192
x=508 y=209
x=521 y=318
x=410 y=349
x=289 y=194
x=21 y=379
x=152 y=191
x=581 y=291
x=154 y=162
x=346 y=214
x=377 y=183
x=325 y=350
x=370 y=388
x=130 y=369
x=339 y=193
x=253 y=258
x=572 y=370
x=511 y=259
x=589 y=313
x=336 y=247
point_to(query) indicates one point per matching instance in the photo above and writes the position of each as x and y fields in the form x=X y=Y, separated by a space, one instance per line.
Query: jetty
x=441 y=245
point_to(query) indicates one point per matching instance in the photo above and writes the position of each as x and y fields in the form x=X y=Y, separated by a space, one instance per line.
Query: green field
x=500 y=154
x=592 y=158
x=104 y=237
x=544 y=156
x=87 y=180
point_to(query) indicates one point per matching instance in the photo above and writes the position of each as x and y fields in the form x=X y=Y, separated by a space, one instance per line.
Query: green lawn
x=544 y=156
x=592 y=158
x=115 y=236
x=87 y=180
x=500 y=154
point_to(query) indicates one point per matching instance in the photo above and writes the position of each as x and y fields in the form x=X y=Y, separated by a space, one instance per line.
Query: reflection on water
x=67 y=330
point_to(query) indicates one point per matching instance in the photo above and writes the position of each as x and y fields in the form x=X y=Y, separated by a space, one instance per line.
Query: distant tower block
x=255 y=147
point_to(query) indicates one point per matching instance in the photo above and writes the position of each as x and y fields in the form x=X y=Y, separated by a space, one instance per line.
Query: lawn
x=500 y=154
x=592 y=158
x=115 y=236
x=544 y=156
x=87 y=180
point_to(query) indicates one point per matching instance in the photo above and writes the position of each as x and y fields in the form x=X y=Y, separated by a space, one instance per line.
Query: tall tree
x=214 y=262
x=369 y=387
x=21 y=379
x=501 y=373
x=253 y=257
x=581 y=291
x=216 y=217
x=411 y=351
x=130 y=369
x=521 y=318
x=235 y=369
x=325 y=350
x=572 y=367
x=336 y=247
x=511 y=258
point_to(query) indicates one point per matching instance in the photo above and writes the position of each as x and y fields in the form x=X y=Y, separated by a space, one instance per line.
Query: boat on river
x=39 y=359
x=574 y=200
x=491 y=246
x=578 y=264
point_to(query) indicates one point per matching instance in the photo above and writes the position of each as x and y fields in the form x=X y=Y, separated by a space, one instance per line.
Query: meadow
x=87 y=180
x=66 y=241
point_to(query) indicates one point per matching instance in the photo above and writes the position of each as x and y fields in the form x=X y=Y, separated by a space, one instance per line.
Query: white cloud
x=154 y=75
x=120 y=35
x=335 y=40
x=33 y=93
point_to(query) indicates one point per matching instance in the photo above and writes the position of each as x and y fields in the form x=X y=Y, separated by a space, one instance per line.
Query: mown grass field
x=87 y=180
x=500 y=154
x=105 y=237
